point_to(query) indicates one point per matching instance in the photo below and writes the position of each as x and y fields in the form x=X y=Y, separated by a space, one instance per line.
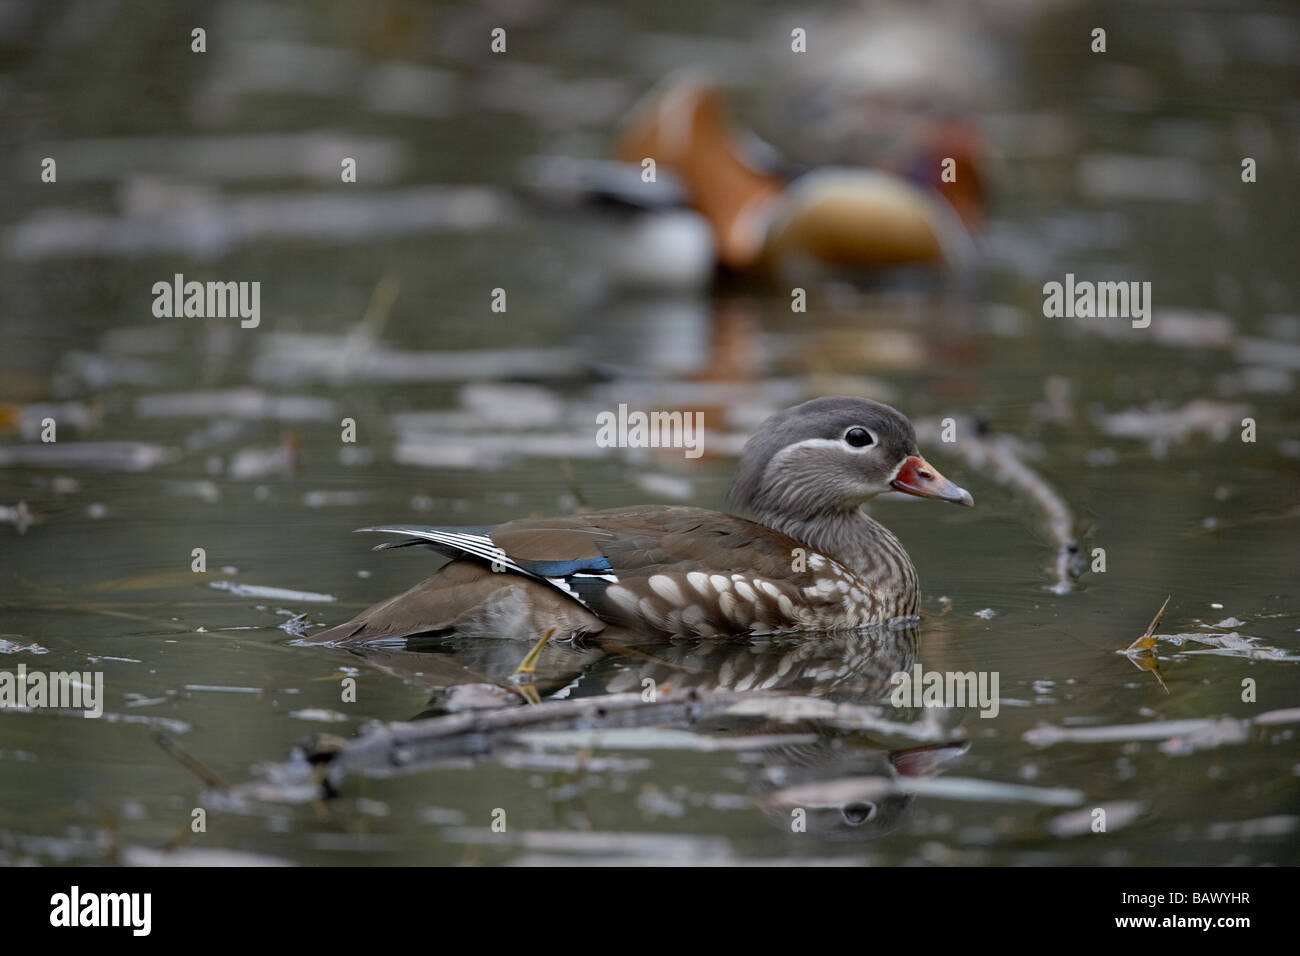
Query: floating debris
x=220 y=689
x=649 y=738
x=1190 y=329
x=174 y=749
x=231 y=158
x=19 y=516
x=610 y=721
x=297 y=625
x=671 y=487
x=1148 y=640
x=441 y=816
x=203 y=490
x=1118 y=814
x=274 y=594
x=137 y=700
x=1046 y=735
x=320 y=714
x=493 y=449
x=1288 y=715
x=12 y=647
x=1178 y=736
x=1140 y=651
x=1164 y=428
x=1269 y=352
x=29 y=420
x=1168 y=178
x=1232 y=645
x=160 y=338
x=195 y=856
x=1210 y=735
x=290 y=358
x=215 y=225
x=1259 y=828
x=574 y=763
x=851 y=790
x=112 y=455
x=1001 y=458
x=640 y=846
x=245 y=403
x=489 y=405
x=477 y=696
x=284 y=459
x=840 y=714
x=105 y=371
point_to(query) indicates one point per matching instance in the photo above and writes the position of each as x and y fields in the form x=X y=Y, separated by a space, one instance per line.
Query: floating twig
x=189 y=762
x=999 y=458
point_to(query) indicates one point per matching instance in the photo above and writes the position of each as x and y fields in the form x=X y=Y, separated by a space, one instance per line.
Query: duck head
x=829 y=456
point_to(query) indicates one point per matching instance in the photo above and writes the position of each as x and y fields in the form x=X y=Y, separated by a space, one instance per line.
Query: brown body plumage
x=811 y=561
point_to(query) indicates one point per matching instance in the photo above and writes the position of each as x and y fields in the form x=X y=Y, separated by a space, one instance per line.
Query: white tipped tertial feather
x=482 y=547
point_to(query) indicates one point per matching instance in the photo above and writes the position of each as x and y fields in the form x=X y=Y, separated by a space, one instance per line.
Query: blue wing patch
x=577 y=578
x=562 y=569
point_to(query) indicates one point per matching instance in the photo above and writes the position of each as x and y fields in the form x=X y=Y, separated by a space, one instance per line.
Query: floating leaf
x=1139 y=652
x=1148 y=640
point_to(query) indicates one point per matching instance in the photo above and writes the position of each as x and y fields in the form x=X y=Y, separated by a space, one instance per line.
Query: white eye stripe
x=838 y=443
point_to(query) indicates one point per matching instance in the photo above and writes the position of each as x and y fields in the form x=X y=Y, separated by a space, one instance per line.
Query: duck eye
x=856 y=814
x=859 y=437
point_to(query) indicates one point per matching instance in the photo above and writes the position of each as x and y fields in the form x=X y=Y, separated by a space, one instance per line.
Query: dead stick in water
x=171 y=746
x=414 y=745
x=999 y=458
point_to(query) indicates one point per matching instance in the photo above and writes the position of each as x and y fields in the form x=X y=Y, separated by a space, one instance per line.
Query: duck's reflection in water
x=844 y=786
x=815 y=706
x=846 y=665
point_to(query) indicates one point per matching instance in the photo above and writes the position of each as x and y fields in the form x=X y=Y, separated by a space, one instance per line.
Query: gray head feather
x=798 y=466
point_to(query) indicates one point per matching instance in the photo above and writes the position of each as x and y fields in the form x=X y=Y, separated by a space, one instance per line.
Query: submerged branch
x=419 y=745
x=999 y=457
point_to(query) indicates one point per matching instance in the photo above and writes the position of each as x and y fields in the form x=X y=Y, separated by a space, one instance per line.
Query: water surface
x=376 y=307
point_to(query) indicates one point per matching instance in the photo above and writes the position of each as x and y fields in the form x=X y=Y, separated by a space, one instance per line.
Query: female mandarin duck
x=812 y=560
x=840 y=217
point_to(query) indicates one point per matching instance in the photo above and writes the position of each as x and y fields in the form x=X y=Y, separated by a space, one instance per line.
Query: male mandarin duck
x=811 y=559
x=850 y=217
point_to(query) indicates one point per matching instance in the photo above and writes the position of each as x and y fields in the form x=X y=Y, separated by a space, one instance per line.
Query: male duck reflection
x=812 y=560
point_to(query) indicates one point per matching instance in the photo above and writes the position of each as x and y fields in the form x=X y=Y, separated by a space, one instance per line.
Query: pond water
x=177 y=434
